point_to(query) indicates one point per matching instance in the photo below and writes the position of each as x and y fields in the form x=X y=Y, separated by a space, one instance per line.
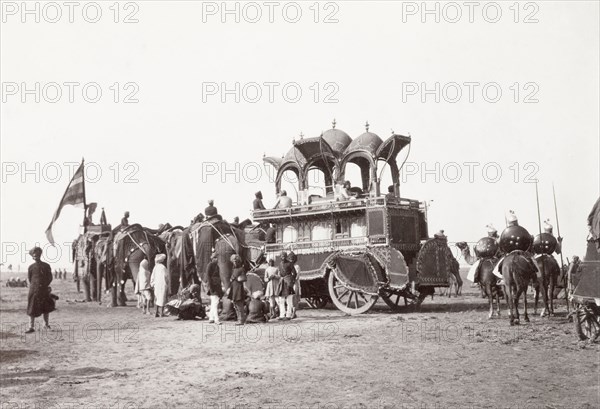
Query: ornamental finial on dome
x=333 y=123
x=367 y=126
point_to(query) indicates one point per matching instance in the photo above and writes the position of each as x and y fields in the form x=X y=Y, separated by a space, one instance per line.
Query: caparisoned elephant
x=132 y=245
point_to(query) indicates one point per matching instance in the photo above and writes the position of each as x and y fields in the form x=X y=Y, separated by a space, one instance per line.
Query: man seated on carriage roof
x=390 y=196
x=284 y=201
x=348 y=192
x=257 y=204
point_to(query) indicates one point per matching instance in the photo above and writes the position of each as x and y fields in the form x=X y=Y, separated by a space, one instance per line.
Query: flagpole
x=560 y=244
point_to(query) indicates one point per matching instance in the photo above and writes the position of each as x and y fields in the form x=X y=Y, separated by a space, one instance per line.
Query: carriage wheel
x=586 y=324
x=349 y=301
x=317 y=302
x=392 y=299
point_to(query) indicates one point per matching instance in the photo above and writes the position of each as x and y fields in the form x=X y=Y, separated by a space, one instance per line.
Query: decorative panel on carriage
x=435 y=263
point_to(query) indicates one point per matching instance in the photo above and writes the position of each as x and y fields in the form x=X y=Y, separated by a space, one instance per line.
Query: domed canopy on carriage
x=330 y=154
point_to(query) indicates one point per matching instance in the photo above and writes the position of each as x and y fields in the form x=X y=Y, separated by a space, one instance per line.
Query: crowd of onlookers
x=275 y=298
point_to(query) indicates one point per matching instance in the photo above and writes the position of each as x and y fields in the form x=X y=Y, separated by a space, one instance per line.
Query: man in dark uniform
x=39 y=300
x=286 y=292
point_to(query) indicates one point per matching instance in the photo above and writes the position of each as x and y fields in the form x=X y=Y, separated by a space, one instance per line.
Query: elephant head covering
x=160 y=258
x=36 y=251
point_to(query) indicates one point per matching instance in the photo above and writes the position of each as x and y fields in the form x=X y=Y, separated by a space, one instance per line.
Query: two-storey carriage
x=354 y=245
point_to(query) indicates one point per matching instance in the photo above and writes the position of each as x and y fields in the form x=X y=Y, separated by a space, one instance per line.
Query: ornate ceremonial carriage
x=354 y=245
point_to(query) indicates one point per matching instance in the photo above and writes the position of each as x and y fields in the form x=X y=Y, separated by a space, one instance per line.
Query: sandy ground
x=448 y=355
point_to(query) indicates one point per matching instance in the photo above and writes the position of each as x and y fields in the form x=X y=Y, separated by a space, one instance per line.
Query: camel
x=466 y=252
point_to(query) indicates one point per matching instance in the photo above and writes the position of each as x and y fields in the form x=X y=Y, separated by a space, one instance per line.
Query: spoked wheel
x=347 y=300
x=587 y=325
x=317 y=302
x=393 y=299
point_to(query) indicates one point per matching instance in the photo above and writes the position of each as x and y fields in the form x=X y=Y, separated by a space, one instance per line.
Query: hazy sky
x=386 y=62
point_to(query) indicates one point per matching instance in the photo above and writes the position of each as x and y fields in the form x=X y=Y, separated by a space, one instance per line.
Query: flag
x=74 y=195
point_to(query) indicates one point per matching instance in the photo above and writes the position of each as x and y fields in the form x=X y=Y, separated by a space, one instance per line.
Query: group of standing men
x=282 y=289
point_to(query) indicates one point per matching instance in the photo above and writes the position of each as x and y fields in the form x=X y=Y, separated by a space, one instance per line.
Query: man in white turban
x=160 y=283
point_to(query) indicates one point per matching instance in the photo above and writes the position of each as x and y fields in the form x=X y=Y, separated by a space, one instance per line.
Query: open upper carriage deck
x=329 y=207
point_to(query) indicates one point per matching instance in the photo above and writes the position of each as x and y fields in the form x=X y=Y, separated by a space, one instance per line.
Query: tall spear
x=537 y=198
x=560 y=244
